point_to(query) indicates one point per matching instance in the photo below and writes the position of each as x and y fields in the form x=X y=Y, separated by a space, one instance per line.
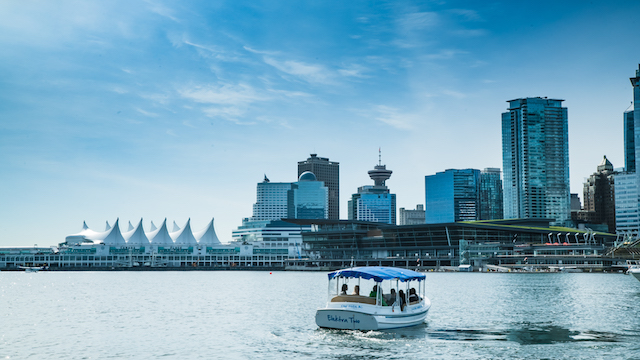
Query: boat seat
x=354 y=298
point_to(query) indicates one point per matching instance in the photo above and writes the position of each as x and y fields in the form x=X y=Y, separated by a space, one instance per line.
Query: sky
x=165 y=109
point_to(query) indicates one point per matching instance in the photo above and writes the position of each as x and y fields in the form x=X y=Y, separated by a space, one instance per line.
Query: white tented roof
x=114 y=236
x=184 y=236
x=137 y=236
x=207 y=236
x=160 y=236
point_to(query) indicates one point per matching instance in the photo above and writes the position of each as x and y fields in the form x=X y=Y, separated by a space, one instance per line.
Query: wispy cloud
x=146 y=113
x=354 y=70
x=418 y=21
x=310 y=73
x=394 y=117
x=226 y=94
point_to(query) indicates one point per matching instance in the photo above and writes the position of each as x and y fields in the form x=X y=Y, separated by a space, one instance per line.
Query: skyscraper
x=329 y=173
x=374 y=203
x=310 y=197
x=491 y=198
x=627 y=185
x=452 y=195
x=305 y=199
x=535 y=156
x=272 y=201
x=598 y=196
x=629 y=141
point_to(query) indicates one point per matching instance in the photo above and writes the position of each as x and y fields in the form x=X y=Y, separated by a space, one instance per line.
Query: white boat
x=633 y=268
x=377 y=311
x=32 y=268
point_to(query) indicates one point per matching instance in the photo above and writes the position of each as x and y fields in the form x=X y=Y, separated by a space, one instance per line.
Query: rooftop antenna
x=379 y=156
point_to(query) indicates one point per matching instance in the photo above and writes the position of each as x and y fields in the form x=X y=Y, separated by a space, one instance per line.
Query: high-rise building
x=491 y=198
x=411 y=217
x=273 y=201
x=629 y=141
x=374 y=203
x=310 y=198
x=635 y=82
x=305 y=199
x=535 y=156
x=329 y=173
x=598 y=196
x=627 y=185
x=452 y=195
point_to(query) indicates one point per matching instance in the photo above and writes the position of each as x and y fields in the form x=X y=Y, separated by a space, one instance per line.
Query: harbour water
x=263 y=315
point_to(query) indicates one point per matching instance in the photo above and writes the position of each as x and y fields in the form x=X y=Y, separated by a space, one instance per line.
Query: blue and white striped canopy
x=378 y=273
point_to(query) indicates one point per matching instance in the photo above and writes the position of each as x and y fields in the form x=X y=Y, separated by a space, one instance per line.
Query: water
x=259 y=315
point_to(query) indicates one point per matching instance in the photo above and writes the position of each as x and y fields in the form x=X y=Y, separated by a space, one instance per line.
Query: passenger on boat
x=413 y=297
x=345 y=287
x=356 y=290
x=374 y=294
x=391 y=298
x=403 y=300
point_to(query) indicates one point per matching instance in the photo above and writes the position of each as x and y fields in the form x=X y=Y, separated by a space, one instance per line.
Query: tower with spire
x=374 y=202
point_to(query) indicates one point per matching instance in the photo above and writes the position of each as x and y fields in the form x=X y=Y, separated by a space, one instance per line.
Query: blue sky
x=158 y=109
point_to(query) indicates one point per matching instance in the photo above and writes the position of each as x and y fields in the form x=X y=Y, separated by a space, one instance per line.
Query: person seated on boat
x=391 y=298
x=345 y=287
x=374 y=294
x=413 y=297
x=403 y=300
x=356 y=290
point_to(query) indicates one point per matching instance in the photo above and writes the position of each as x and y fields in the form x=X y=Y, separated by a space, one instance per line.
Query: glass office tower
x=535 y=156
x=452 y=195
x=629 y=143
x=491 y=198
x=310 y=198
x=329 y=173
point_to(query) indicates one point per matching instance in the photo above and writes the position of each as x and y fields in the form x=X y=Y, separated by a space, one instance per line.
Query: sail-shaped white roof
x=84 y=234
x=160 y=236
x=114 y=236
x=207 y=236
x=130 y=227
x=175 y=227
x=153 y=226
x=137 y=236
x=106 y=228
x=184 y=236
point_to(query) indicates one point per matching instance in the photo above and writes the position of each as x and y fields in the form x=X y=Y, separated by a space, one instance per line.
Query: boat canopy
x=378 y=273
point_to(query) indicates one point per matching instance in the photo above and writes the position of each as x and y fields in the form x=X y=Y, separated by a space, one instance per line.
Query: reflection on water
x=527 y=334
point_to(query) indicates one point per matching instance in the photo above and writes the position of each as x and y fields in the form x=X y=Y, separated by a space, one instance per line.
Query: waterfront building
x=310 y=198
x=256 y=244
x=273 y=200
x=506 y=244
x=374 y=203
x=599 y=198
x=452 y=195
x=329 y=173
x=412 y=217
x=491 y=198
x=535 y=156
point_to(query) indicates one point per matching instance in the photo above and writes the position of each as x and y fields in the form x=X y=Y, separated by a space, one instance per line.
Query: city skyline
x=177 y=110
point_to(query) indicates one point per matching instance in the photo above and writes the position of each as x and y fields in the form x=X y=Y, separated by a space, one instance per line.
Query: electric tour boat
x=392 y=302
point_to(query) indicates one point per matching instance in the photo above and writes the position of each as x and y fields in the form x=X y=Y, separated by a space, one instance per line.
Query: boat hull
x=348 y=317
x=635 y=272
